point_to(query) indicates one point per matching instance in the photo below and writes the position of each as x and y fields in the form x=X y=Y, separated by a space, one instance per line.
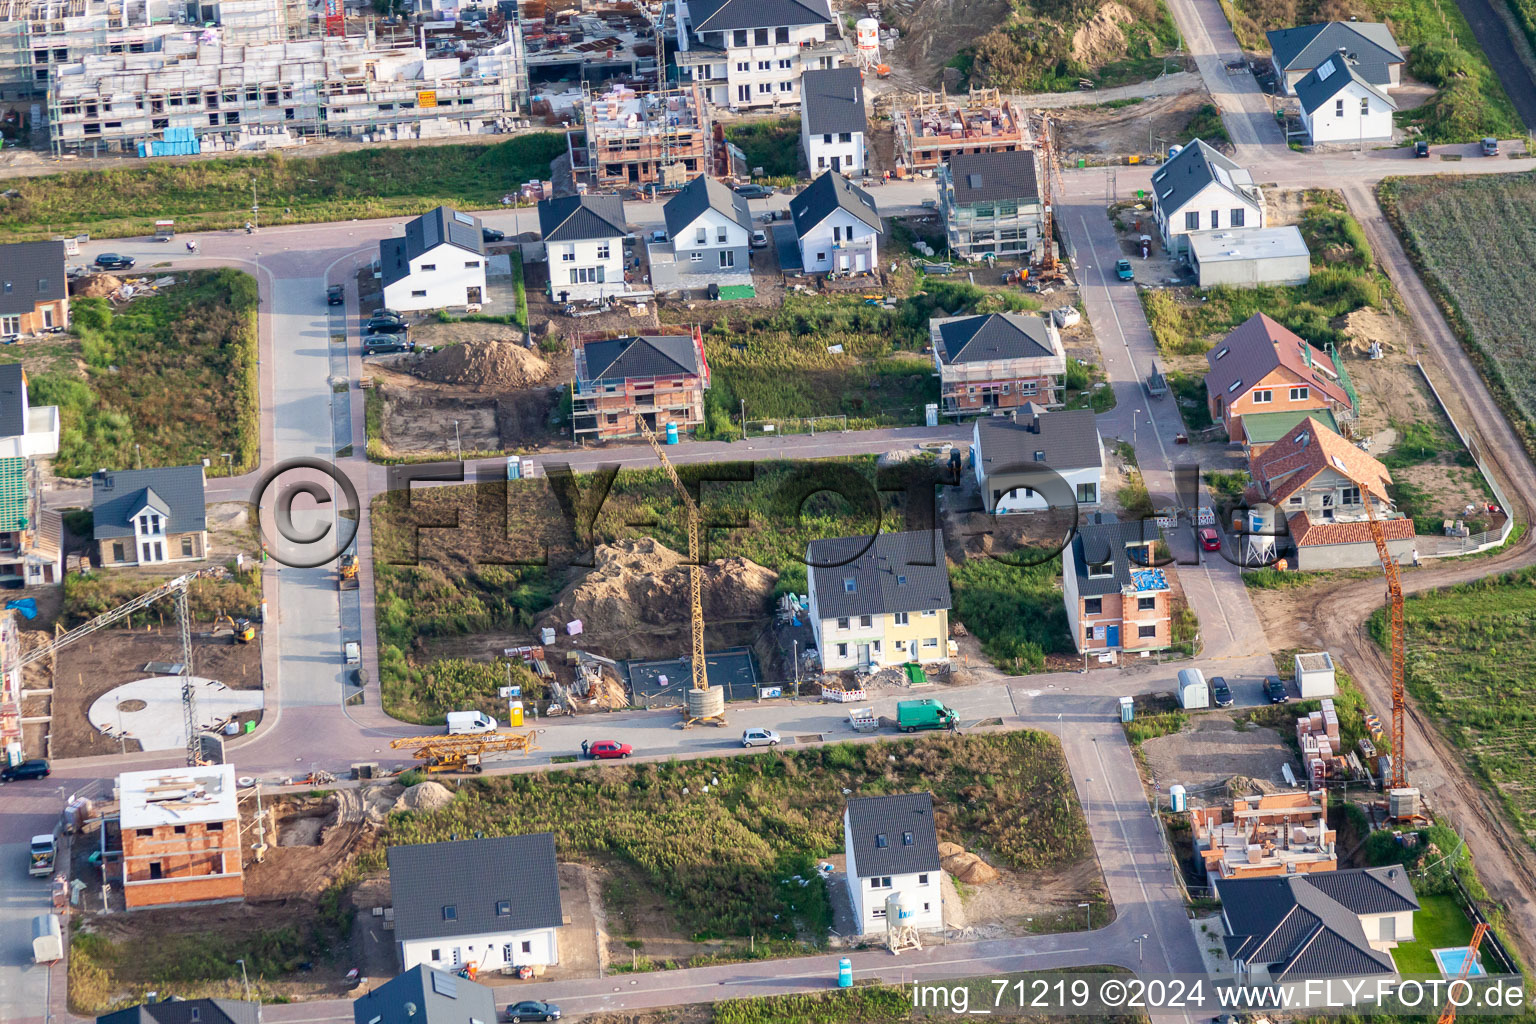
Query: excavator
x=346 y=572
x=241 y=631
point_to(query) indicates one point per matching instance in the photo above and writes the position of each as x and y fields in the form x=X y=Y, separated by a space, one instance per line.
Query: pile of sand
x=1101 y=39
x=97 y=286
x=967 y=867
x=1366 y=325
x=492 y=364
x=425 y=796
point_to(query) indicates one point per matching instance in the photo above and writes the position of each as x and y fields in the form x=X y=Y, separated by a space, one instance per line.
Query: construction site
x=641 y=138
x=623 y=385
x=588 y=41
x=931 y=127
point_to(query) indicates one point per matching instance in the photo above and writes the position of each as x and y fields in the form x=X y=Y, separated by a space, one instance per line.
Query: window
x=1099 y=570
x=743 y=65
x=760 y=37
x=471 y=264
x=1215 y=218
x=907 y=838
x=930 y=641
x=186 y=547
x=1234 y=385
x=1365 y=105
x=603 y=250
x=786 y=86
x=922 y=880
x=215 y=826
x=1192 y=221
x=739 y=37
x=568 y=254
x=875 y=646
x=450 y=912
x=1263 y=396
x=821 y=257
x=765 y=87
x=1146 y=604
x=720 y=236
x=837 y=234
x=881 y=882
x=10 y=325
x=845 y=137
x=784 y=62
x=117 y=551
x=880 y=841
x=902 y=618
x=1235 y=218
x=527 y=946
x=1087 y=494
x=42 y=284
x=1300 y=394
x=901 y=645
x=865 y=621
x=1146 y=632
x=765 y=65
x=437 y=955
x=418 y=293
x=1093 y=606
x=781 y=35
x=506 y=957
x=743 y=94
x=1338 y=109
x=588 y=275
x=929 y=615
x=901 y=581
x=701 y=236
x=1349 y=496
x=1295 y=501
x=850 y=585
x=842 y=623
x=428 y=266
x=842 y=650
x=503 y=908
x=727 y=259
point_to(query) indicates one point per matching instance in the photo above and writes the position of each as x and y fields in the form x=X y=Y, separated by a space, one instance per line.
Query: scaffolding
x=615 y=407
x=935 y=126
x=642 y=138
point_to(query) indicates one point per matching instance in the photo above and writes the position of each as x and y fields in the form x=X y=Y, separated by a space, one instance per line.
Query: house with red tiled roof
x=1261 y=368
x=1319 y=483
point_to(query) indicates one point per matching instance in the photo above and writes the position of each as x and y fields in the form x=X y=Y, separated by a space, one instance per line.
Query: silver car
x=759 y=738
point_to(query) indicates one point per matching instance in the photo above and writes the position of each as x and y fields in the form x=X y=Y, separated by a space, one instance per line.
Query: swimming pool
x=1453 y=959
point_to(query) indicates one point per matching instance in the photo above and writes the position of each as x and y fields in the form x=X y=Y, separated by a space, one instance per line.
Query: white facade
x=1354 y=114
x=833 y=151
x=1082 y=482
x=42 y=437
x=758 y=67
x=840 y=242
x=489 y=952
x=1250 y=257
x=445 y=275
x=920 y=891
x=1212 y=208
x=589 y=268
x=149 y=538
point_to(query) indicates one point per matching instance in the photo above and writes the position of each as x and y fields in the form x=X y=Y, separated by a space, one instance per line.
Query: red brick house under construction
x=620 y=380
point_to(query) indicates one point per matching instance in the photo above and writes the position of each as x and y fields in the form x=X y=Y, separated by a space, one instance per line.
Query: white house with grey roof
x=1033 y=460
x=1339 y=104
x=149 y=516
x=584 y=243
x=991 y=203
x=1198 y=189
x=1296 y=51
x=892 y=847
x=709 y=232
x=423 y=995
x=26 y=431
x=492 y=902
x=879 y=601
x=439 y=262
x=187 y=1011
x=836 y=226
x=751 y=53
x=832 y=120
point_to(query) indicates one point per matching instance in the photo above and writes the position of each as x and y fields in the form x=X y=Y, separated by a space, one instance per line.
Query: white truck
x=461 y=723
x=45 y=849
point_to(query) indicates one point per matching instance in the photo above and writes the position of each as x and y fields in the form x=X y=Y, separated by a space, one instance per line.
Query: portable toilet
x=514 y=467
x=514 y=713
x=1176 y=799
x=1193 y=693
x=1127 y=709
x=845 y=973
x=671 y=433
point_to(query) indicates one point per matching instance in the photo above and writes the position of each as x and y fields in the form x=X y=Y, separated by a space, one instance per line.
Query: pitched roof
x=643 y=356
x=991 y=336
x=1104 y=541
x=13 y=406
x=423 y=995
x=425 y=233
x=1258 y=346
x=475 y=886
x=1369 y=42
x=1192 y=169
x=832 y=100
x=1306 y=450
x=1065 y=439
x=1269 y=427
x=31 y=272
x=187 y=1011
x=897 y=572
x=830 y=192
x=119 y=494
x=893 y=835
x=724 y=15
x=1331 y=77
x=700 y=194
x=987 y=177
x=575 y=218
x=1308 y=534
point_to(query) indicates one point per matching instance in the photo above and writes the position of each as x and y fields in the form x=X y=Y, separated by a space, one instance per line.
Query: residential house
x=837 y=226
x=879 y=601
x=1250 y=257
x=1034 y=459
x=1260 y=367
x=424 y=995
x=492 y=902
x=1329 y=924
x=25 y=431
x=181 y=836
x=439 y=262
x=892 y=848
x=31 y=537
x=1318 y=483
x=997 y=361
x=1339 y=104
x=1117 y=598
x=832 y=120
x=710 y=230
x=584 y=242
x=34 y=291
x=1274 y=834
x=1198 y=189
x=991 y=203
x=751 y=53
x=1297 y=51
x=659 y=379
x=149 y=516
x=187 y=1011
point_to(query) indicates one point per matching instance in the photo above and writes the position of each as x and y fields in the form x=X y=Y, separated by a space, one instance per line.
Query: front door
x=863 y=655
x=1112 y=633
x=861 y=262
x=837 y=163
x=472 y=296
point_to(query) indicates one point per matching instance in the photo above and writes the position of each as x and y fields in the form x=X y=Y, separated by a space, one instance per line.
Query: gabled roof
x=423 y=995
x=1257 y=347
x=1107 y=542
x=31 y=272
x=1331 y=77
x=832 y=100
x=893 y=835
x=577 y=218
x=700 y=194
x=118 y=494
x=1308 y=534
x=642 y=356
x=187 y=1011
x=827 y=193
x=1369 y=42
x=988 y=177
x=443 y=225
x=988 y=337
x=475 y=886
x=724 y=15
x=1065 y=439
x=13 y=405
x=897 y=572
x=1308 y=449
x=1192 y=169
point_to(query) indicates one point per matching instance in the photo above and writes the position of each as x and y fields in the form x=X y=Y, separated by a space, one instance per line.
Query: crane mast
x=1395 y=614
x=695 y=570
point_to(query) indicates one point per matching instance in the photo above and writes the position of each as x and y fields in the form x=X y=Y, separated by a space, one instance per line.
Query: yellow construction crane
x=1448 y=1015
x=703 y=704
x=464 y=752
x=1395 y=615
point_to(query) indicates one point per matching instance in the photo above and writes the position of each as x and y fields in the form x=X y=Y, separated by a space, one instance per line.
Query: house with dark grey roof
x=149 y=516
x=1031 y=460
x=892 y=849
x=878 y=601
x=622 y=381
x=709 y=232
x=1199 y=189
x=997 y=361
x=1115 y=591
x=991 y=203
x=438 y=262
x=837 y=226
x=34 y=294
x=584 y=243
x=832 y=120
x=26 y=431
x=188 y=1011
x=492 y=902
x=752 y=53
x=1261 y=368
x=1325 y=924
x=423 y=995
x=1296 y=51
x=1339 y=103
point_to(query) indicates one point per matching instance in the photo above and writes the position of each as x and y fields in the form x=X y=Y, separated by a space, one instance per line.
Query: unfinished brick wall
x=182 y=863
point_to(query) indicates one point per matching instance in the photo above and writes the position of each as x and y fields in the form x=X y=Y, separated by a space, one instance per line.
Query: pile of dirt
x=492 y=364
x=425 y=796
x=1368 y=324
x=97 y=286
x=1101 y=39
x=967 y=867
x=1241 y=785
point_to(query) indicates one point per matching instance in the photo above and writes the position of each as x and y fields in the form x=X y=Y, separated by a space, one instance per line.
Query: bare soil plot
x=1212 y=749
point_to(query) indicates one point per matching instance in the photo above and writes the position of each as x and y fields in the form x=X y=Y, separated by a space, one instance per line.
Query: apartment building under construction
x=936 y=126
x=641 y=138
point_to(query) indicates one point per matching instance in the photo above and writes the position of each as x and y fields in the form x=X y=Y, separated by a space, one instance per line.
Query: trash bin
x=845 y=973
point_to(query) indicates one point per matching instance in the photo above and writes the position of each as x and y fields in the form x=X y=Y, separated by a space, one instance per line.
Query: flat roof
x=177 y=796
x=1231 y=244
x=1269 y=427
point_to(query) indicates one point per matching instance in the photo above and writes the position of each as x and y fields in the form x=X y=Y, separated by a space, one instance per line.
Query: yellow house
x=879 y=601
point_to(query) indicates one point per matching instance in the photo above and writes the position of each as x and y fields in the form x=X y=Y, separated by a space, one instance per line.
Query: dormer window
x=880 y=841
x=1100 y=570
x=850 y=586
x=450 y=912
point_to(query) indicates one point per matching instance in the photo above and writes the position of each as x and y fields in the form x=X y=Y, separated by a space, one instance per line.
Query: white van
x=465 y=722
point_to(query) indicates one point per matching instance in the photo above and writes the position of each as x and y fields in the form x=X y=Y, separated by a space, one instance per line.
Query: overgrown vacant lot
x=374 y=181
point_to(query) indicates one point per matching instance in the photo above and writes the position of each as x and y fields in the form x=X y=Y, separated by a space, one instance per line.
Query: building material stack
x=1317 y=734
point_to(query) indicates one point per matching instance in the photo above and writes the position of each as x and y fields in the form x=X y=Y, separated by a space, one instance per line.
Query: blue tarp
x=26 y=605
x=176 y=142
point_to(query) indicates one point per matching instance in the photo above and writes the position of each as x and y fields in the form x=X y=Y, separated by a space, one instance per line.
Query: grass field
x=87 y=595
x=1440 y=923
x=369 y=182
x=1015 y=611
x=772 y=145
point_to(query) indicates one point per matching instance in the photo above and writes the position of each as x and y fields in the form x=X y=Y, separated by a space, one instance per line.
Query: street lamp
x=1139 y=939
x=1089 y=908
x=457 y=442
x=1086 y=784
x=245 y=981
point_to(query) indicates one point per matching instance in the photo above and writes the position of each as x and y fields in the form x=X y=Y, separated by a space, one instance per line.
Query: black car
x=753 y=191
x=335 y=295
x=387 y=327
x=1221 y=693
x=1421 y=148
x=492 y=234
x=387 y=314
x=533 y=1009
x=112 y=261
x=34 y=769
x=386 y=344
x=1274 y=689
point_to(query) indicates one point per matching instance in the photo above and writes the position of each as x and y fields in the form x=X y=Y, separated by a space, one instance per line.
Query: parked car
x=492 y=234
x=1421 y=149
x=112 y=261
x=335 y=295
x=36 y=768
x=387 y=314
x=1221 y=693
x=759 y=239
x=1275 y=690
x=1490 y=147
x=385 y=344
x=388 y=327
x=1210 y=540
x=759 y=738
x=1123 y=270
x=753 y=191
x=657 y=237
x=609 y=749
x=533 y=1009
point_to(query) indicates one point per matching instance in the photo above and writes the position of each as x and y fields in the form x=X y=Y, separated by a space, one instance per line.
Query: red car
x=1210 y=540
x=605 y=749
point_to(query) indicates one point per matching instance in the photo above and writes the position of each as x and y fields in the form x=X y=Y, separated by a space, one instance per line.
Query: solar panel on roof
x=445 y=984
x=463 y=218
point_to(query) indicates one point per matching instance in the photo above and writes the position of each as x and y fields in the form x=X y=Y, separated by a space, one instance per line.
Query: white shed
x=1193 y=692
x=1250 y=257
x=1314 y=675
